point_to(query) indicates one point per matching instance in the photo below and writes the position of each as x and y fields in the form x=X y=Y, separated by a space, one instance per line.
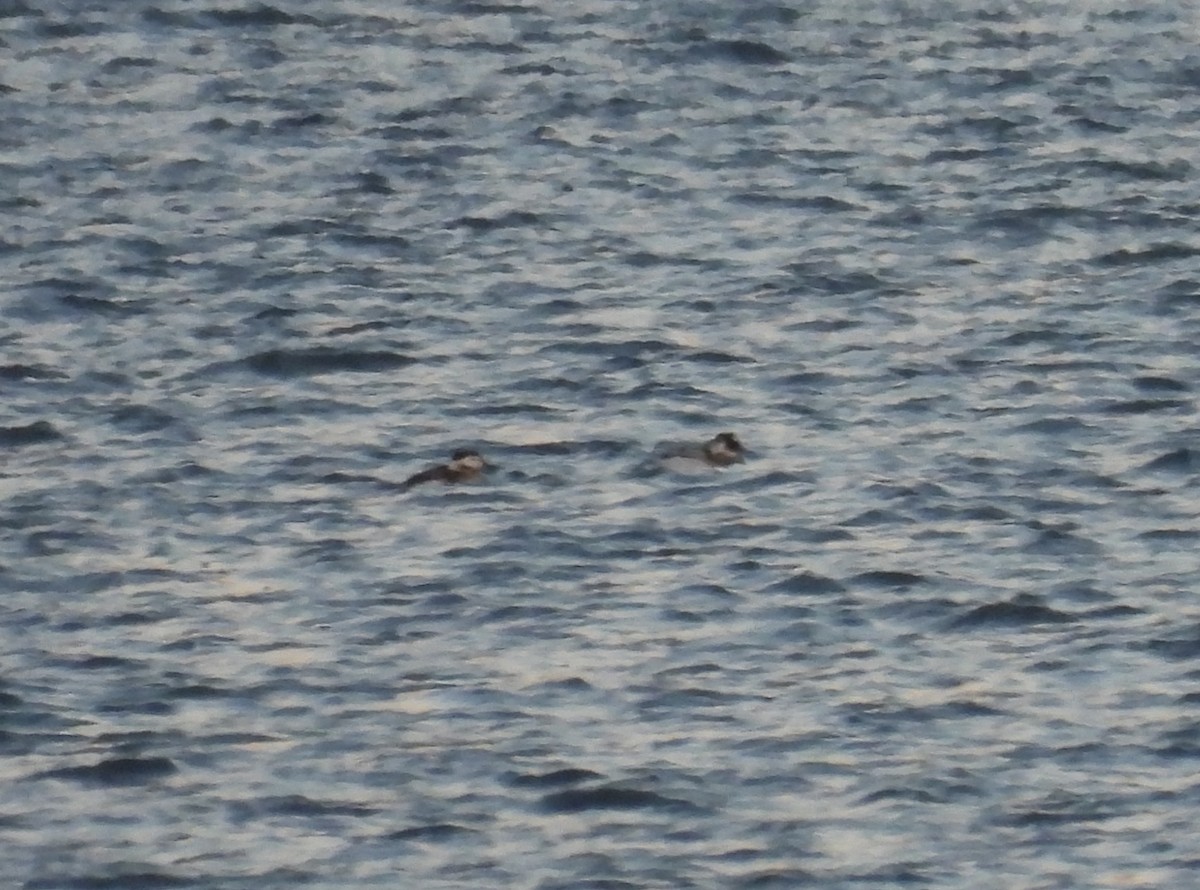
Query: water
x=934 y=264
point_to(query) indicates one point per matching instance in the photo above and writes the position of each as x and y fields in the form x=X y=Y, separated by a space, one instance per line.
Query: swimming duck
x=721 y=450
x=724 y=449
x=466 y=465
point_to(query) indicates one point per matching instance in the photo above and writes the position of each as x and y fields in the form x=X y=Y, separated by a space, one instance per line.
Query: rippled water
x=935 y=264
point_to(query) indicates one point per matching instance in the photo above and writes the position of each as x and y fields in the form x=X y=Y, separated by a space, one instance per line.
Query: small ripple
x=809 y=276
x=1155 y=253
x=38 y=432
x=1024 y=609
x=143 y=418
x=876 y=517
x=1170 y=536
x=1184 y=646
x=119 y=880
x=509 y=220
x=117 y=771
x=274 y=313
x=99 y=662
x=295 y=805
x=693 y=701
x=169 y=475
x=513 y=409
x=1060 y=807
x=1146 y=406
x=359 y=328
x=321 y=360
x=779 y=879
x=1062 y=540
x=435 y=832
x=77 y=27
x=1054 y=426
x=256 y=15
x=20 y=372
x=1155 y=383
x=1183 y=293
x=101 y=305
x=554 y=778
x=889 y=578
x=1180 y=742
x=1181 y=460
x=806 y=584
x=612 y=797
x=742 y=52
x=290 y=122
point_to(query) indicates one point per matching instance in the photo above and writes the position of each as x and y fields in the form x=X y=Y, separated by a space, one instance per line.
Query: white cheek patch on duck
x=468 y=465
x=721 y=453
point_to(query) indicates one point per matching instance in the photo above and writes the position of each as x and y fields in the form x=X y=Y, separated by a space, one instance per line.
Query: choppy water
x=935 y=263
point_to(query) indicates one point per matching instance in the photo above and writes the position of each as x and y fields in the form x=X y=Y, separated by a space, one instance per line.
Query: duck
x=722 y=450
x=466 y=465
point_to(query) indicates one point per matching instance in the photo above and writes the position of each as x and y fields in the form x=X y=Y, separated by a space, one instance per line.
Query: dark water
x=935 y=263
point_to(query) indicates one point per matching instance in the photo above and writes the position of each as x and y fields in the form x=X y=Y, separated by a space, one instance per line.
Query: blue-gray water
x=935 y=263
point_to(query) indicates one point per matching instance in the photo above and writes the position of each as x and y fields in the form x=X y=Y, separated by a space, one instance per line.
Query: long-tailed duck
x=465 y=465
x=721 y=450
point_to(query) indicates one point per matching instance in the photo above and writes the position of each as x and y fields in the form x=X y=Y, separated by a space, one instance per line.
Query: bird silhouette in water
x=466 y=465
